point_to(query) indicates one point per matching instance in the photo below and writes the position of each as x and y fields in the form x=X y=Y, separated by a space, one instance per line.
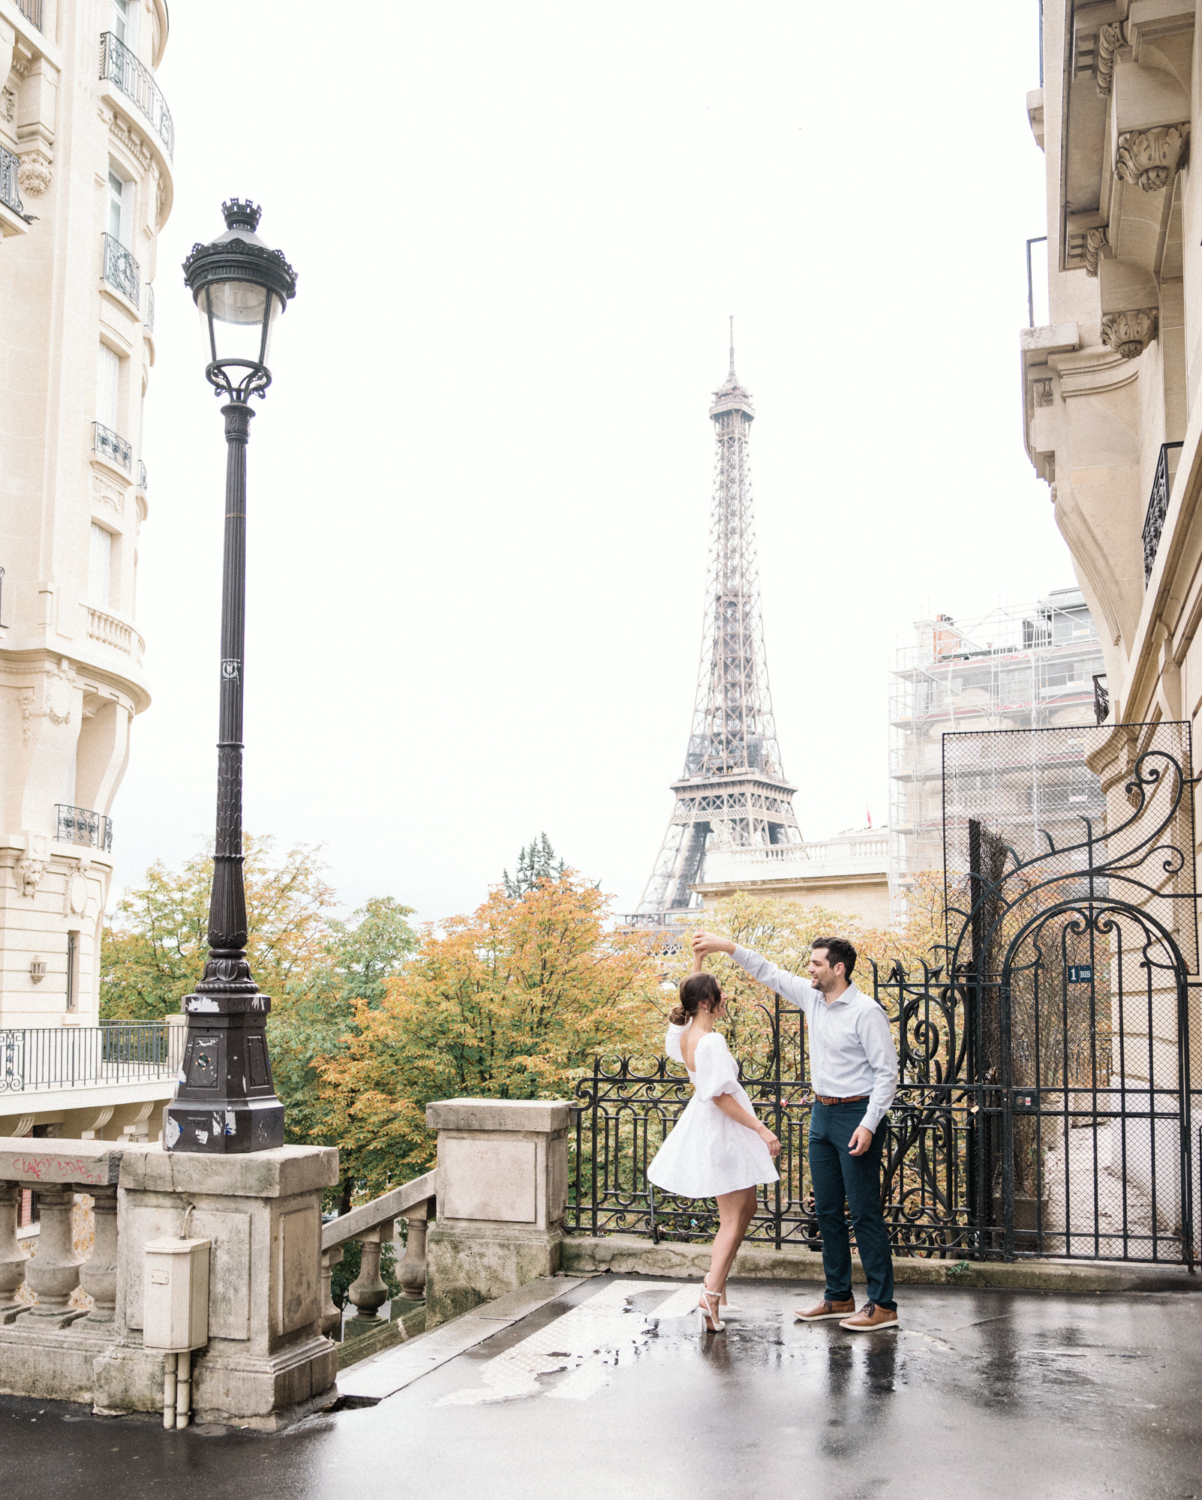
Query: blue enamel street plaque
x=1080 y=973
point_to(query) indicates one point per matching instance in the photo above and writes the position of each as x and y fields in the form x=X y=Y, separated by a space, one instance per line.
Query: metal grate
x=32 y=11
x=1067 y=805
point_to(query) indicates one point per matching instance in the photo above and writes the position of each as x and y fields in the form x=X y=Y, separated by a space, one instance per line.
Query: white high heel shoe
x=708 y=1320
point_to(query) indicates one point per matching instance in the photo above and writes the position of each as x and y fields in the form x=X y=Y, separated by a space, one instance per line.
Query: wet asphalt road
x=1019 y=1396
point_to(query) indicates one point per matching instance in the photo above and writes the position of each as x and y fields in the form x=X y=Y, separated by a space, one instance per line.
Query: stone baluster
x=53 y=1272
x=12 y=1257
x=98 y=1274
x=368 y=1292
x=331 y=1314
x=411 y=1272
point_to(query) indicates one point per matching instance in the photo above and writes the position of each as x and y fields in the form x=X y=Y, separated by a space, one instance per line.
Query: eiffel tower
x=733 y=786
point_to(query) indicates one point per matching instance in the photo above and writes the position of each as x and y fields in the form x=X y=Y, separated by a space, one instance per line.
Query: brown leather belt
x=855 y=1099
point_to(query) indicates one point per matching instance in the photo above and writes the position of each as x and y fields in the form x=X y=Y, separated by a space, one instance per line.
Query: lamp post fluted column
x=227 y=906
x=226 y=1100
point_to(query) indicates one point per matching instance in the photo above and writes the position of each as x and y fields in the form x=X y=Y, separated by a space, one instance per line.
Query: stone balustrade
x=500 y=1190
x=266 y=1359
x=373 y=1225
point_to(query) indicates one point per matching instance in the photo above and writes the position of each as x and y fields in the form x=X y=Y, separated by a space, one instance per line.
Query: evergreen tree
x=536 y=862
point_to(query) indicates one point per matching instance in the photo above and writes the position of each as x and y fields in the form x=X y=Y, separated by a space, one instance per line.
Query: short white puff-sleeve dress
x=707 y=1152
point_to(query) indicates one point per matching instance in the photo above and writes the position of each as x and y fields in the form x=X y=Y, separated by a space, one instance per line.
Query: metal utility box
x=175 y=1305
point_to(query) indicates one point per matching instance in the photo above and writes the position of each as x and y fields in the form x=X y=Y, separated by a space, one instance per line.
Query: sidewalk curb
x=628 y=1254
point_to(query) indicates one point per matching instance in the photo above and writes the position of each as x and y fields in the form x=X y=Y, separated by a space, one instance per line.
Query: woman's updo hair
x=696 y=990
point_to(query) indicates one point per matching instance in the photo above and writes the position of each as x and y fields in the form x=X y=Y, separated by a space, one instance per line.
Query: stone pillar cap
x=538 y=1115
x=37 y=1159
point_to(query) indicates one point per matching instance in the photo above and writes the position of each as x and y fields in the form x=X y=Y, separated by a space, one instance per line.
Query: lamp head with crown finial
x=240 y=287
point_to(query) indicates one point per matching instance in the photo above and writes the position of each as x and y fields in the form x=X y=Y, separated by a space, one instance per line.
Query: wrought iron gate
x=1045 y=1104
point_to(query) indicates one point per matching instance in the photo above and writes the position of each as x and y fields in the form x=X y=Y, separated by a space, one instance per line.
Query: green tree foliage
x=511 y=1002
x=316 y=1016
x=537 y=861
x=154 y=950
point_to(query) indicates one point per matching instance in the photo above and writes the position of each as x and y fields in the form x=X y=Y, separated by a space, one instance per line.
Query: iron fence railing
x=121 y=270
x=115 y=1052
x=10 y=192
x=1158 y=508
x=118 y=65
x=80 y=825
x=32 y=11
x=111 y=445
x=143 y=482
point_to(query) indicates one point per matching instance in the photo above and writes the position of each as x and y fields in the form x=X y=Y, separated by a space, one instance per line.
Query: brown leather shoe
x=825 y=1310
x=870 y=1318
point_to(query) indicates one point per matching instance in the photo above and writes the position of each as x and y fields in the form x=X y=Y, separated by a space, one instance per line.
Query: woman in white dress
x=717 y=1149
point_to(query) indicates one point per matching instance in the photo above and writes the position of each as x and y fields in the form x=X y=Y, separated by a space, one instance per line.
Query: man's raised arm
x=788 y=986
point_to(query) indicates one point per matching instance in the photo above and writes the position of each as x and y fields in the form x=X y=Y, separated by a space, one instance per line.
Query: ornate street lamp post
x=225 y=1100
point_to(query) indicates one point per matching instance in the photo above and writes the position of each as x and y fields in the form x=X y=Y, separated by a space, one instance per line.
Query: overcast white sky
x=479 y=486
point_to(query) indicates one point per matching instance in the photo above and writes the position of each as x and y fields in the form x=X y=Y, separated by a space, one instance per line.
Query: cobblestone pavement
x=611 y=1392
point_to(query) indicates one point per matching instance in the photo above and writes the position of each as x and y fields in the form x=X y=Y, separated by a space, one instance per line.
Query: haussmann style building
x=86 y=141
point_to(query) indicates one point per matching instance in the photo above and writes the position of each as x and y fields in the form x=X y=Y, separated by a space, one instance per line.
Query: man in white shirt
x=853 y=1070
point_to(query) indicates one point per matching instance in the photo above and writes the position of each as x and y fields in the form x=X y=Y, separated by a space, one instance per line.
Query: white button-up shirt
x=851 y=1041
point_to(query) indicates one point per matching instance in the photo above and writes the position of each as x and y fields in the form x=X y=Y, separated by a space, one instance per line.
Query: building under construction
x=1018 y=668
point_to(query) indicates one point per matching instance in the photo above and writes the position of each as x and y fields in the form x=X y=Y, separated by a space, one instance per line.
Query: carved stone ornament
x=57 y=698
x=107 y=494
x=1111 y=37
x=1053 y=493
x=1148 y=158
x=8 y=103
x=1129 y=333
x=1095 y=241
x=33 y=175
x=27 y=872
x=75 y=896
x=125 y=136
x=1041 y=391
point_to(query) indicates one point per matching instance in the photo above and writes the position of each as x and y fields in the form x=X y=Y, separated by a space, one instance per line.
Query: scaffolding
x=1018 y=668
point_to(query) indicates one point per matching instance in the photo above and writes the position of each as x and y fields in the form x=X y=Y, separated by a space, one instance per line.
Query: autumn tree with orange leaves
x=511 y=1002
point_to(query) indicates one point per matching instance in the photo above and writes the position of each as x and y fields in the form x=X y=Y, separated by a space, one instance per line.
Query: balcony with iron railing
x=143 y=481
x=80 y=825
x=32 y=11
x=120 y=67
x=10 y=194
x=38 y=1059
x=112 y=446
x=1158 y=505
x=121 y=270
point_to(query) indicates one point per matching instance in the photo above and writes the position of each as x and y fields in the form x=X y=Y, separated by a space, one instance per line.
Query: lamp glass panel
x=236 y=311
